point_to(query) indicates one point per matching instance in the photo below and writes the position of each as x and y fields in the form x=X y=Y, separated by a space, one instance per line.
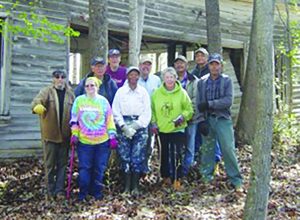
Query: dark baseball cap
x=215 y=57
x=58 y=73
x=97 y=60
x=114 y=52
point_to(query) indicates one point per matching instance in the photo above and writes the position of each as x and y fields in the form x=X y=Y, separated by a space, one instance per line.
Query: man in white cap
x=150 y=82
x=201 y=68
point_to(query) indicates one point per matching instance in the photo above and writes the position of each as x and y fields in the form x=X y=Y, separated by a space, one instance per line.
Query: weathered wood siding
x=32 y=62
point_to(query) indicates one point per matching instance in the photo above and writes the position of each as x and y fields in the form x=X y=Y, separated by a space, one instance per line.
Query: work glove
x=39 y=109
x=154 y=128
x=128 y=131
x=135 y=125
x=113 y=143
x=178 y=121
x=203 y=128
x=74 y=140
x=202 y=107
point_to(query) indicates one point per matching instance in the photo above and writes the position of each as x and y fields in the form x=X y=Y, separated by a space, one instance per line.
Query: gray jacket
x=191 y=88
x=219 y=107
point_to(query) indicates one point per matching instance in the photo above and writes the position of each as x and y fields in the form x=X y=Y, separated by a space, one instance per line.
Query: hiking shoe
x=177 y=185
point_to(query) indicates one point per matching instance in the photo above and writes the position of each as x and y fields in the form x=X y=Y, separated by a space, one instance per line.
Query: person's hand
x=203 y=128
x=154 y=128
x=135 y=125
x=113 y=143
x=74 y=140
x=203 y=106
x=178 y=121
x=128 y=131
x=39 y=109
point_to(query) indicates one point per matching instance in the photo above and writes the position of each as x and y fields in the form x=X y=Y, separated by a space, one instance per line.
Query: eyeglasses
x=89 y=85
x=59 y=76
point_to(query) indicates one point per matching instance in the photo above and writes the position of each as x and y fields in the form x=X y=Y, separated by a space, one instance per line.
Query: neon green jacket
x=168 y=105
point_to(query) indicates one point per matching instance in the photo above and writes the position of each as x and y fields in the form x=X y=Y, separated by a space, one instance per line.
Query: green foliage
x=36 y=25
x=286 y=132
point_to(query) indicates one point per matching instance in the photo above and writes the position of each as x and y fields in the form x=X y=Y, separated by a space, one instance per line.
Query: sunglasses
x=60 y=76
x=89 y=85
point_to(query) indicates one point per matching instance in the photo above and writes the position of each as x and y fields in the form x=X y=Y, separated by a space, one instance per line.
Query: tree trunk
x=256 y=115
x=98 y=28
x=213 y=26
x=136 y=21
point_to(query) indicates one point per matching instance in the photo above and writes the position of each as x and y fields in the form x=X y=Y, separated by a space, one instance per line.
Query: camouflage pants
x=132 y=152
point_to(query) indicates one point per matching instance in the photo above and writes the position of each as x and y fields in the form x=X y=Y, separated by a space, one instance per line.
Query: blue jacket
x=200 y=72
x=107 y=89
x=220 y=106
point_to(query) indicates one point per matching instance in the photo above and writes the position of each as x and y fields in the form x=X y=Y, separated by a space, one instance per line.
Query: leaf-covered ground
x=22 y=194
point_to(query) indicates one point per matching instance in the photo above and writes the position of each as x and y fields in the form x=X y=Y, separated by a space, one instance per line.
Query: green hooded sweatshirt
x=168 y=105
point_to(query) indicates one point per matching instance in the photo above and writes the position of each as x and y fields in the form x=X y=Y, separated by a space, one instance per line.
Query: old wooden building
x=27 y=63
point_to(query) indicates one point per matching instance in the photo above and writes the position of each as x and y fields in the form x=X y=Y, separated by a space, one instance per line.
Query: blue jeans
x=191 y=132
x=92 y=164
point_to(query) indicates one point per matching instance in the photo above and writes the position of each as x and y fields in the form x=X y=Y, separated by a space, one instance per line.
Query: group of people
x=120 y=108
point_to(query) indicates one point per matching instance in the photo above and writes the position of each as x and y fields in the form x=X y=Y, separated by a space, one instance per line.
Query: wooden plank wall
x=32 y=63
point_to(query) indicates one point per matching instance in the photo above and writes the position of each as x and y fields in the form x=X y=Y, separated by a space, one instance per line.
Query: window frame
x=5 y=72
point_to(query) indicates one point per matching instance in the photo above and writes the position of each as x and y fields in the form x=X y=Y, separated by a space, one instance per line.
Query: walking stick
x=45 y=164
x=70 y=172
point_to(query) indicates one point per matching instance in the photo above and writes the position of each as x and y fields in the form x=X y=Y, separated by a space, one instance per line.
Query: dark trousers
x=56 y=155
x=172 y=145
x=92 y=164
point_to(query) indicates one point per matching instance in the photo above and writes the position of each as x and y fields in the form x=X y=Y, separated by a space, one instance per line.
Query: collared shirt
x=150 y=84
x=184 y=80
x=130 y=102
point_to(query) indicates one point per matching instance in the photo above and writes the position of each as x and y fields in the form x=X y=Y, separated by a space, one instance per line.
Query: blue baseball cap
x=97 y=60
x=215 y=57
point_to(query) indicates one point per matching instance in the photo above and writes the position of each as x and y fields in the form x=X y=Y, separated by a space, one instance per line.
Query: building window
x=74 y=68
x=4 y=74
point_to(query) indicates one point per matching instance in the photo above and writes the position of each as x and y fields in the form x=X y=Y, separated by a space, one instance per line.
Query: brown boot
x=177 y=185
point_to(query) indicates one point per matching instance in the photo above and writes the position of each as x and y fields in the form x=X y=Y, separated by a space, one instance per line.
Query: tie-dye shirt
x=92 y=120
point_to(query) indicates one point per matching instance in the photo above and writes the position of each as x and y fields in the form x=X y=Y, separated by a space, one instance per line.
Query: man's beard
x=60 y=87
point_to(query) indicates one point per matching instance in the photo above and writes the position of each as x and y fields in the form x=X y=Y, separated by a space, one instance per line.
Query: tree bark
x=213 y=26
x=98 y=28
x=256 y=114
x=136 y=21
